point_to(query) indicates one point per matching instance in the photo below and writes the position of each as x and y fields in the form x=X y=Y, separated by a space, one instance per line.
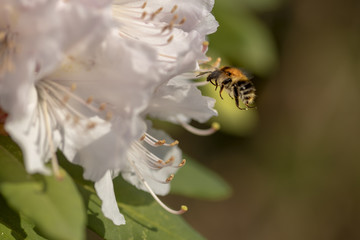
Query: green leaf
x=145 y=219
x=15 y=226
x=197 y=181
x=54 y=206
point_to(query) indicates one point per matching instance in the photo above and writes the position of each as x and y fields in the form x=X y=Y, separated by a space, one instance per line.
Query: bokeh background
x=294 y=163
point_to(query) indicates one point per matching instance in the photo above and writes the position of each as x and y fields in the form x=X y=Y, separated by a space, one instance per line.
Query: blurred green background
x=294 y=163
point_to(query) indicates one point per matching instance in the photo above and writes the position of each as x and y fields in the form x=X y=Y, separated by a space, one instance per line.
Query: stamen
x=91 y=125
x=89 y=100
x=170 y=160
x=108 y=116
x=102 y=107
x=183 y=208
x=182 y=21
x=183 y=162
x=144 y=5
x=174 y=8
x=170 y=178
x=66 y=99
x=160 y=143
x=54 y=161
x=153 y=15
x=201 y=132
x=217 y=63
x=156 y=142
x=170 y=38
x=205 y=46
x=143 y=15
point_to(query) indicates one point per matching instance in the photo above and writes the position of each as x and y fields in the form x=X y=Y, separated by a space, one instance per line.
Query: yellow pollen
x=174 y=8
x=160 y=162
x=170 y=178
x=215 y=126
x=142 y=137
x=184 y=208
x=160 y=142
x=89 y=100
x=176 y=142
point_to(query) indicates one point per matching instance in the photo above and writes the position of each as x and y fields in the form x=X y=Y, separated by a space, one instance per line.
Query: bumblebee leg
x=236 y=96
x=211 y=81
x=221 y=89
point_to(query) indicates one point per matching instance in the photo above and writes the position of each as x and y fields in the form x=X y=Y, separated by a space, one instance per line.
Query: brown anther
x=73 y=87
x=109 y=116
x=91 y=125
x=142 y=137
x=160 y=142
x=2 y=36
x=175 y=17
x=66 y=98
x=174 y=8
x=144 y=5
x=170 y=38
x=176 y=142
x=153 y=15
x=164 y=28
x=182 y=21
x=170 y=178
x=160 y=162
x=143 y=15
x=182 y=163
x=171 y=159
x=102 y=107
x=89 y=100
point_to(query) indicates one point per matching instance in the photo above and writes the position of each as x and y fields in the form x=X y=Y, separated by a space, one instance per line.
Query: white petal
x=105 y=190
x=29 y=132
x=179 y=99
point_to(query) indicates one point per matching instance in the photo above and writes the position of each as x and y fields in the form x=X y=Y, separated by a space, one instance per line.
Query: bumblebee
x=236 y=82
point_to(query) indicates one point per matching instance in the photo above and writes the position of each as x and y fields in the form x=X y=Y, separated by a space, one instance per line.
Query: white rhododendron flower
x=86 y=76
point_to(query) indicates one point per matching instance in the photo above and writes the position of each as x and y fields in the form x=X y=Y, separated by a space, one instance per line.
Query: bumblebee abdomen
x=246 y=91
